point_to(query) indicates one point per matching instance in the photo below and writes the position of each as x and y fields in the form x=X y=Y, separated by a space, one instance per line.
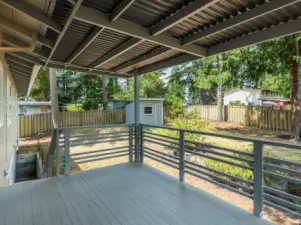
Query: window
x=148 y=110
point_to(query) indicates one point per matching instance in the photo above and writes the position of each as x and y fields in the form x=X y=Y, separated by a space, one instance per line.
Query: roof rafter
x=281 y=30
x=182 y=14
x=98 y=18
x=18 y=68
x=239 y=19
x=85 y=44
x=19 y=61
x=168 y=63
x=139 y=59
x=95 y=72
x=31 y=11
x=26 y=57
x=119 y=9
x=4 y=22
x=66 y=26
x=116 y=52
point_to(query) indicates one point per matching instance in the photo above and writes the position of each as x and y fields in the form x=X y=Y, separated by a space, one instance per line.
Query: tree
x=41 y=88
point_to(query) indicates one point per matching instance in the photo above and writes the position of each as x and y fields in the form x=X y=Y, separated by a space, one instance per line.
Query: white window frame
x=148 y=114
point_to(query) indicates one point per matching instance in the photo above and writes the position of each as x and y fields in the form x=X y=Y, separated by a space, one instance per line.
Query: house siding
x=8 y=127
x=155 y=118
x=246 y=96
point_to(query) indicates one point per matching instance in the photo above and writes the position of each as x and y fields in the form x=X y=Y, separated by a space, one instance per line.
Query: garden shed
x=151 y=111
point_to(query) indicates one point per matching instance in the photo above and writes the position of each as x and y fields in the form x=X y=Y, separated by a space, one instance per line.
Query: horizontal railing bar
x=221 y=148
x=87 y=135
x=221 y=154
x=295 y=172
x=282 y=202
x=98 y=159
x=282 y=177
x=239 y=138
x=161 y=157
x=220 y=173
x=97 y=155
x=160 y=161
x=282 y=194
x=161 y=135
x=274 y=160
x=219 y=178
x=96 y=126
x=97 y=142
x=220 y=184
x=95 y=138
x=95 y=151
x=172 y=156
x=159 y=143
x=160 y=139
x=290 y=212
x=220 y=160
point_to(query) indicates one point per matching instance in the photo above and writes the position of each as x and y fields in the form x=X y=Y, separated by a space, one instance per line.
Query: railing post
x=141 y=144
x=181 y=156
x=67 y=151
x=131 y=143
x=258 y=179
x=58 y=157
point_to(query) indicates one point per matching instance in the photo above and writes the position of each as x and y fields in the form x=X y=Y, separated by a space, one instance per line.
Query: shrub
x=75 y=108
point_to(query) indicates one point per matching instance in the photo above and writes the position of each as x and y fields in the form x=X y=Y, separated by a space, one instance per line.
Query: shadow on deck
x=120 y=194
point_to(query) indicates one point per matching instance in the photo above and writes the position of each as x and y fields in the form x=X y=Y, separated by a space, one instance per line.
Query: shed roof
x=128 y=37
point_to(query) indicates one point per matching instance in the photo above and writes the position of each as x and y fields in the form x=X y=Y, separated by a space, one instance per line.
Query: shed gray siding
x=155 y=118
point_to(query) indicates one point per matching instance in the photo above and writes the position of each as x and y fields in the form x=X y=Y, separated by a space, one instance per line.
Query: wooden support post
x=258 y=179
x=55 y=122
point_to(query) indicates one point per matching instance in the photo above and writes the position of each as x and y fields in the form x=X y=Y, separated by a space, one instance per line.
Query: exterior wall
x=8 y=127
x=29 y=110
x=155 y=118
x=247 y=96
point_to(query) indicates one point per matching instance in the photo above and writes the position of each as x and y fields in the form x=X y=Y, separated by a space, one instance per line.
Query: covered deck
x=128 y=193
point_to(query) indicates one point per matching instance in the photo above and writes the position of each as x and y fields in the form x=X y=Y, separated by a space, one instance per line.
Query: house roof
x=34 y=103
x=241 y=88
x=128 y=37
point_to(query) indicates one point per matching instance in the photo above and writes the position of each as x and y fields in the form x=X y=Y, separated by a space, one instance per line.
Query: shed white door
x=158 y=114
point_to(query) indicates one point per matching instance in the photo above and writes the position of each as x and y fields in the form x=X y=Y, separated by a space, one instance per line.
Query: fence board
x=41 y=123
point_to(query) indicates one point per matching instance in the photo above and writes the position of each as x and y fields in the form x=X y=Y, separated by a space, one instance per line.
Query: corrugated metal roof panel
x=76 y=33
x=106 y=41
x=138 y=50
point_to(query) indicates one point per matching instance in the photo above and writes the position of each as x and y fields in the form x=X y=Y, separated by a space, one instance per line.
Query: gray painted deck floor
x=121 y=194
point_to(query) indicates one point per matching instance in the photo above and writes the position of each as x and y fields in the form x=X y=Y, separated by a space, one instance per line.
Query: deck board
x=122 y=194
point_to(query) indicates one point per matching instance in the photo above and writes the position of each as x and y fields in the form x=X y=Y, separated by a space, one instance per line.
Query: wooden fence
x=41 y=123
x=261 y=117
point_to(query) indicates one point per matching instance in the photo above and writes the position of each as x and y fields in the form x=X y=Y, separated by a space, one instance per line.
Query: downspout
x=29 y=48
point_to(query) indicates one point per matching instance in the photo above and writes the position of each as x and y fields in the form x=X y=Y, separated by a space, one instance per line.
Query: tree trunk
x=220 y=92
x=47 y=171
x=105 y=91
x=296 y=99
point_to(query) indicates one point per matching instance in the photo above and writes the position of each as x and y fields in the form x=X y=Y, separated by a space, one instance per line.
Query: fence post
x=141 y=144
x=131 y=143
x=181 y=156
x=258 y=179
x=67 y=151
x=58 y=157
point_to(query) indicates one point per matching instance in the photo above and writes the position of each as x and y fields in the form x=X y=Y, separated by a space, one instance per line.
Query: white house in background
x=29 y=107
x=151 y=111
x=254 y=96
